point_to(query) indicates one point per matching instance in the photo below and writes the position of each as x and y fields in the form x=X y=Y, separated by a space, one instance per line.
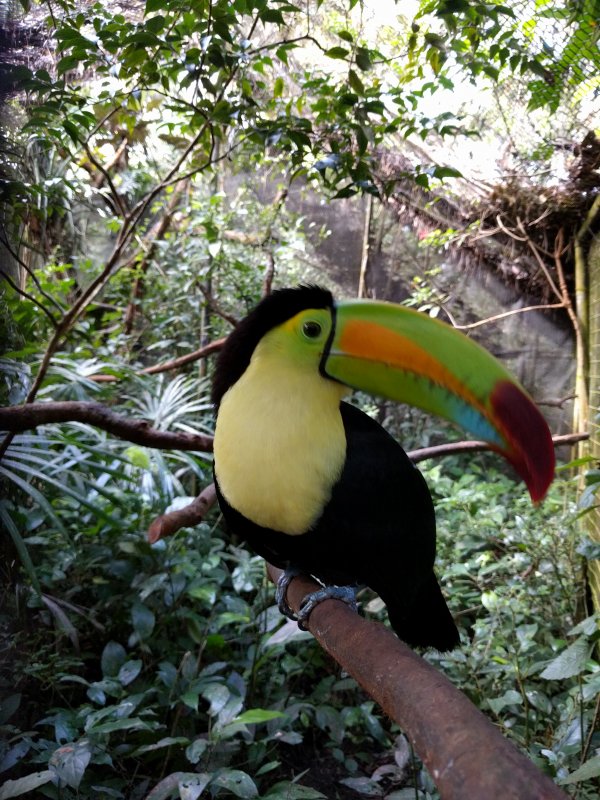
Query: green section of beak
x=401 y=354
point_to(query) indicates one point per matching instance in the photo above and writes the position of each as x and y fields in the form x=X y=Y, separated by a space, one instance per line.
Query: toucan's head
x=394 y=352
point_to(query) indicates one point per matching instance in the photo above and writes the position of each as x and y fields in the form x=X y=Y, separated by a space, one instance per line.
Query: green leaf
x=337 y=52
x=26 y=784
x=278 y=87
x=256 y=715
x=21 y=548
x=112 y=659
x=272 y=15
x=589 y=769
x=364 y=786
x=446 y=172
x=70 y=761
x=355 y=82
x=168 y=741
x=8 y=706
x=129 y=672
x=237 y=782
x=143 y=620
x=509 y=698
x=363 y=59
x=346 y=36
x=127 y=724
x=570 y=662
x=138 y=456
x=287 y=790
x=191 y=785
x=195 y=750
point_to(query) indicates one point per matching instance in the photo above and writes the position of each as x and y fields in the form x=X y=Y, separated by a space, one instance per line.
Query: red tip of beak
x=530 y=447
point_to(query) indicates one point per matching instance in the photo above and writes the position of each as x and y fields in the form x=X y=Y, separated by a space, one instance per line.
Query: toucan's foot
x=283 y=583
x=347 y=594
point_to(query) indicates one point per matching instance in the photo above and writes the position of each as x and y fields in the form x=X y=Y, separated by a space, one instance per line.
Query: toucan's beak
x=404 y=355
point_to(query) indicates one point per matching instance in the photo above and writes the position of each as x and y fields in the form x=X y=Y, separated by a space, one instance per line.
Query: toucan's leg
x=283 y=582
x=347 y=594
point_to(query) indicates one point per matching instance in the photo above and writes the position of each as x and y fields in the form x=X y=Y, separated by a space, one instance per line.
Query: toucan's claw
x=347 y=594
x=283 y=583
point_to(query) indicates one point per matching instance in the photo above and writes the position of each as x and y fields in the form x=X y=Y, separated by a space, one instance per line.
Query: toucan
x=315 y=485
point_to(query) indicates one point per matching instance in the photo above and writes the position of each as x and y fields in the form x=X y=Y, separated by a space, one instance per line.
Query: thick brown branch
x=192 y=514
x=21 y=418
x=464 y=753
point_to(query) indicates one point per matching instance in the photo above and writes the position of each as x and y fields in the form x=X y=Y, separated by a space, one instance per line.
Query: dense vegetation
x=148 y=171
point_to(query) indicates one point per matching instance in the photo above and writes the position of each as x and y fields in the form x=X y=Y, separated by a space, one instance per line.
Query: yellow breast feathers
x=279 y=442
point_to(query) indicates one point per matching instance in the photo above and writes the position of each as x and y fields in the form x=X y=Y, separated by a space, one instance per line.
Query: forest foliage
x=151 y=157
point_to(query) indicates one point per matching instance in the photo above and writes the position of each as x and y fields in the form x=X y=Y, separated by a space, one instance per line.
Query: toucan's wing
x=382 y=520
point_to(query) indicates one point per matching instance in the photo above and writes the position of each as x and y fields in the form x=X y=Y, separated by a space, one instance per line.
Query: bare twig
x=7 y=245
x=558 y=402
x=216 y=308
x=510 y=313
x=106 y=175
x=29 y=297
x=269 y=274
x=542 y=264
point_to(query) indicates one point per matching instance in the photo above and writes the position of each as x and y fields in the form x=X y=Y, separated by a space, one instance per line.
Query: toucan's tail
x=427 y=622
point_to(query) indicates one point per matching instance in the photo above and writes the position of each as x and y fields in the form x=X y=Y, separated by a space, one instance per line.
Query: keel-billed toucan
x=312 y=483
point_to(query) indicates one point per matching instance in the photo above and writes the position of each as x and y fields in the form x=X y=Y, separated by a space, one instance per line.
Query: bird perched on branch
x=314 y=485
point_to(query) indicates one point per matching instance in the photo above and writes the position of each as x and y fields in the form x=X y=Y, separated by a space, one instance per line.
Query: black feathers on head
x=273 y=310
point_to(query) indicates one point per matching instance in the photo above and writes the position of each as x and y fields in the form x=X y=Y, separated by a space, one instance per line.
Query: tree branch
x=506 y=314
x=26 y=417
x=188 y=358
x=465 y=754
x=28 y=296
x=21 y=418
x=187 y=517
x=455 y=448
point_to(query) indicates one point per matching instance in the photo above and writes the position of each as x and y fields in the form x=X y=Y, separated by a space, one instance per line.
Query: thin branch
x=508 y=232
x=216 y=308
x=187 y=517
x=188 y=358
x=182 y=361
x=508 y=314
x=269 y=274
x=542 y=264
x=29 y=297
x=26 y=417
x=6 y=244
x=455 y=448
x=104 y=172
x=558 y=403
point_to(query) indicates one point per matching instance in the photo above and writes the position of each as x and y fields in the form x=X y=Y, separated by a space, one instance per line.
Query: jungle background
x=165 y=164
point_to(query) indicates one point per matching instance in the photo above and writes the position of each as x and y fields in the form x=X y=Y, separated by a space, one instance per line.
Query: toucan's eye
x=311 y=329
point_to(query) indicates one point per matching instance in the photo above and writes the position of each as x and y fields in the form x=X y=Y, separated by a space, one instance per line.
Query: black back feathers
x=273 y=310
